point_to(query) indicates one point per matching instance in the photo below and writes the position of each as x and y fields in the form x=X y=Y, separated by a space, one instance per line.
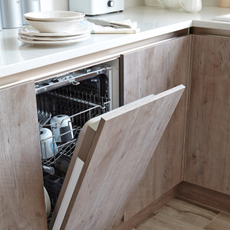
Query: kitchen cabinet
x=208 y=158
x=150 y=71
x=115 y=161
x=125 y=168
x=21 y=184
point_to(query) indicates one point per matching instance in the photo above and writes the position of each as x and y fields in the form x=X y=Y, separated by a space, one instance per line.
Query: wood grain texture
x=154 y=70
x=123 y=145
x=21 y=184
x=178 y=214
x=208 y=154
x=147 y=211
x=204 y=196
x=181 y=211
x=221 y=222
x=81 y=151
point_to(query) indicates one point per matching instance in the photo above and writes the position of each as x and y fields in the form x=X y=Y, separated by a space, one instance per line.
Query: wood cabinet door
x=153 y=70
x=116 y=161
x=208 y=155
x=21 y=185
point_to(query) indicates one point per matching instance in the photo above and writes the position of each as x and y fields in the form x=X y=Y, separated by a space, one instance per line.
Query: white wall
x=49 y=5
x=131 y=3
x=213 y=2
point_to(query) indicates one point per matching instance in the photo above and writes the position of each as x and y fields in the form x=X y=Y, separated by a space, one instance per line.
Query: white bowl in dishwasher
x=48 y=146
x=61 y=127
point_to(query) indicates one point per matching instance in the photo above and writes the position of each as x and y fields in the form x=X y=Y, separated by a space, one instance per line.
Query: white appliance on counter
x=96 y=7
x=0 y=19
x=11 y=13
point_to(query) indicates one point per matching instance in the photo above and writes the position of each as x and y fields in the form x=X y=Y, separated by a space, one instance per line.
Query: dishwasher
x=93 y=154
x=65 y=102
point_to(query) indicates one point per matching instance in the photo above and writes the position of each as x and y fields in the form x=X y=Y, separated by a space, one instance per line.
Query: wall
x=49 y=5
x=131 y=3
x=212 y=2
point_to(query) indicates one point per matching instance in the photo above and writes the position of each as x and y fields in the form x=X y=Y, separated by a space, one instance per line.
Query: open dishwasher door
x=116 y=148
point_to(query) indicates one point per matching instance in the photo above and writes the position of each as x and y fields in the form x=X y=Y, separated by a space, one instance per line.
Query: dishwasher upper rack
x=67 y=148
x=70 y=78
x=86 y=106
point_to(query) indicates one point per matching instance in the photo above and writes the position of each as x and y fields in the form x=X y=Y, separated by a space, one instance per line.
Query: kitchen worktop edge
x=17 y=57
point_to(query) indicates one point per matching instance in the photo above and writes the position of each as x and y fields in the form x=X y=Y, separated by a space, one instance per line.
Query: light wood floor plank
x=221 y=222
x=183 y=212
x=178 y=214
x=161 y=223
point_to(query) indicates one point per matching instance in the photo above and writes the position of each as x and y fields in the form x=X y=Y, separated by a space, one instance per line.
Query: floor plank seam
x=212 y=220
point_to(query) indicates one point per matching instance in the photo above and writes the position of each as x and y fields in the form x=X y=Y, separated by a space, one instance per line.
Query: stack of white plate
x=53 y=27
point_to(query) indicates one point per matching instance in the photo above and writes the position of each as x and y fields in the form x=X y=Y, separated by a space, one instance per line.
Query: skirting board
x=185 y=190
x=204 y=196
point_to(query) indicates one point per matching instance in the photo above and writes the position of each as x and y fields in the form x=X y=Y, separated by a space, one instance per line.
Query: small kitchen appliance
x=11 y=13
x=0 y=19
x=96 y=7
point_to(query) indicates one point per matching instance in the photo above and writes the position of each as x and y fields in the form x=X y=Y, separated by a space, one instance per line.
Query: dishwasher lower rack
x=79 y=105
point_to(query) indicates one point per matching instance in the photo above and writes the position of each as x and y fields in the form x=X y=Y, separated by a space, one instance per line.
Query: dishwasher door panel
x=119 y=151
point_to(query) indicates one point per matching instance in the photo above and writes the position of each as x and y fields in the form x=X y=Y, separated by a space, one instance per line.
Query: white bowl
x=48 y=148
x=54 y=16
x=62 y=128
x=54 y=27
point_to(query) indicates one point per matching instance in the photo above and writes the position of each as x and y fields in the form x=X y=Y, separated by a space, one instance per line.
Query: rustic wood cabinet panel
x=153 y=70
x=21 y=186
x=208 y=155
x=116 y=161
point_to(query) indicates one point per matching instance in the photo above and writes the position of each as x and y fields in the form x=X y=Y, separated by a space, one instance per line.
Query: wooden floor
x=179 y=214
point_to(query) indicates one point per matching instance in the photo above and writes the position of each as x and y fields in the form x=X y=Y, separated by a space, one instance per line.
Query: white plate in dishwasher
x=47 y=202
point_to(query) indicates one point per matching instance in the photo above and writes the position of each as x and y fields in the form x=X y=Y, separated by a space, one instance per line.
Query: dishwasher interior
x=65 y=103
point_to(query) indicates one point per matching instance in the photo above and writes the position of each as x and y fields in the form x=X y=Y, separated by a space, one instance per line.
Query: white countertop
x=16 y=56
